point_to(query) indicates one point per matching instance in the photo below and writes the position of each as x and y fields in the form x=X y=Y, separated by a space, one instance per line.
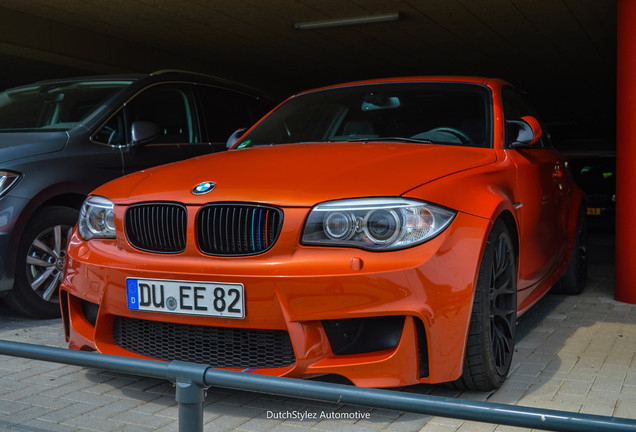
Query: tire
x=491 y=335
x=574 y=279
x=40 y=262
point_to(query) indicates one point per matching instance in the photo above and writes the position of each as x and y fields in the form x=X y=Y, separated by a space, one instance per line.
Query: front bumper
x=378 y=319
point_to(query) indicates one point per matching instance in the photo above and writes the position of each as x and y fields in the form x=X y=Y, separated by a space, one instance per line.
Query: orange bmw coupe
x=387 y=231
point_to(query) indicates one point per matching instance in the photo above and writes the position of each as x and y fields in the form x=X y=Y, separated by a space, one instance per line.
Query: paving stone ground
x=574 y=353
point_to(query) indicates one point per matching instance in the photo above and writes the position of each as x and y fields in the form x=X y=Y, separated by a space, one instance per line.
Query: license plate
x=593 y=211
x=186 y=297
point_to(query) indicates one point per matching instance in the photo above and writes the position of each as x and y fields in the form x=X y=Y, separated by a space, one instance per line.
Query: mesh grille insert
x=237 y=229
x=157 y=227
x=217 y=346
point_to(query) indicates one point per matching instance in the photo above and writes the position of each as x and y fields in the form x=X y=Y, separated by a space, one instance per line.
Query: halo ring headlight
x=375 y=224
x=339 y=225
x=382 y=226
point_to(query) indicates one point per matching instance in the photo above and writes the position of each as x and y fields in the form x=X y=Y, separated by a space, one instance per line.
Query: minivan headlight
x=96 y=219
x=375 y=223
x=7 y=180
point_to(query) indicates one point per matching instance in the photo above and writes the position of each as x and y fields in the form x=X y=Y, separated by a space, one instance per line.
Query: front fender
x=486 y=192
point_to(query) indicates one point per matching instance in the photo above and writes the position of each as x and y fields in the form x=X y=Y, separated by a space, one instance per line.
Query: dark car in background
x=61 y=139
x=595 y=173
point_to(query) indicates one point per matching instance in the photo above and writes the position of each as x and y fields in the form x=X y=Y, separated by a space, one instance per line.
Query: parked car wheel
x=573 y=281
x=491 y=336
x=41 y=257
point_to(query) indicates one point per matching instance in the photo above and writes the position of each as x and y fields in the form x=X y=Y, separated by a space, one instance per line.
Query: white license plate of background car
x=186 y=297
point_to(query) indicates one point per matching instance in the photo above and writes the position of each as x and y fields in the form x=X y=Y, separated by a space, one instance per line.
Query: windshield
x=439 y=113
x=53 y=106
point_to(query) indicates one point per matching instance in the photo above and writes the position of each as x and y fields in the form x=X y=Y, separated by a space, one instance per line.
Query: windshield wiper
x=398 y=139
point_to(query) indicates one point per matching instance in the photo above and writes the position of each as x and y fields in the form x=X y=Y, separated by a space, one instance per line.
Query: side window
x=225 y=111
x=170 y=107
x=113 y=132
x=515 y=106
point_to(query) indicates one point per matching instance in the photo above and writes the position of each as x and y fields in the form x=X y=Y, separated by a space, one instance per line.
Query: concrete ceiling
x=562 y=51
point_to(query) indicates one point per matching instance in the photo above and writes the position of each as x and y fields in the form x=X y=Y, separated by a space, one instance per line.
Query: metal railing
x=191 y=381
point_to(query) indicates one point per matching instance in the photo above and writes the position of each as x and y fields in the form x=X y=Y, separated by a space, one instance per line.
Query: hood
x=18 y=145
x=299 y=174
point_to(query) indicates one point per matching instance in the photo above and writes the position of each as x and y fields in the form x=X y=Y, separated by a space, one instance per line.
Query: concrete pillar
x=626 y=154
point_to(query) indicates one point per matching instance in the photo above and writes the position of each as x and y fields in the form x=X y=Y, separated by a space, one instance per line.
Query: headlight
x=7 y=180
x=96 y=219
x=375 y=223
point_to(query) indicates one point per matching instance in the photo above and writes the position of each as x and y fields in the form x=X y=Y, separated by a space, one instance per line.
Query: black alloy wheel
x=491 y=337
x=503 y=307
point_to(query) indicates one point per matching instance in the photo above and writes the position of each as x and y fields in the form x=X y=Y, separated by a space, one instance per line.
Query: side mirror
x=144 y=132
x=236 y=135
x=528 y=131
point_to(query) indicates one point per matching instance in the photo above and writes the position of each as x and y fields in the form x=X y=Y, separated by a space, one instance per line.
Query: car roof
x=491 y=82
x=122 y=77
x=157 y=76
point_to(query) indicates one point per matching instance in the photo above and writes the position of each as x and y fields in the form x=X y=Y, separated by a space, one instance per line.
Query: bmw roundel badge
x=203 y=188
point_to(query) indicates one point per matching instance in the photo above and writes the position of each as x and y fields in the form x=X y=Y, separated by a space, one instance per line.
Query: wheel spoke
x=502 y=346
x=500 y=353
x=502 y=259
x=503 y=285
x=38 y=262
x=52 y=288
x=57 y=240
x=505 y=312
x=40 y=245
x=504 y=329
x=43 y=277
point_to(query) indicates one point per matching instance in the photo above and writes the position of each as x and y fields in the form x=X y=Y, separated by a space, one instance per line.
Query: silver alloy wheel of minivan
x=45 y=261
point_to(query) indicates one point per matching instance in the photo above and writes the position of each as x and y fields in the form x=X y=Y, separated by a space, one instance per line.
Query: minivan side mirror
x=236 y=135
x=528 y=131
x=144 y=132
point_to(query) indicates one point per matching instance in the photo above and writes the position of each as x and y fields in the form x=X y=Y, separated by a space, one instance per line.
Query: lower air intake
x=217 y=346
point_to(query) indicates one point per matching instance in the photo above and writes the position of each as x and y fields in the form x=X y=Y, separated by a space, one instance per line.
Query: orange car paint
x=294 y=287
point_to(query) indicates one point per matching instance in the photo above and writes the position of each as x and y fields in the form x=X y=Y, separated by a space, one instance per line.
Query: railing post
x=190 y=386
x=190 y=397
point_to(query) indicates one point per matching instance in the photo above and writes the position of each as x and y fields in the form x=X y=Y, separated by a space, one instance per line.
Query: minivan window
x=171 y=108
x=59 y=106
x=225 y=111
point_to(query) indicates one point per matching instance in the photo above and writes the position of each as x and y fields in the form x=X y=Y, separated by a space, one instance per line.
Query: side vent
x=422 y=347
